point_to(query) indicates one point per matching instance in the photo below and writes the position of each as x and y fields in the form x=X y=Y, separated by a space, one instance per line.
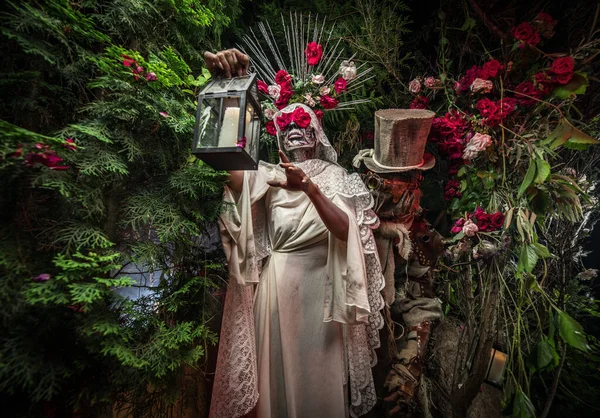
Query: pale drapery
x=313 y=325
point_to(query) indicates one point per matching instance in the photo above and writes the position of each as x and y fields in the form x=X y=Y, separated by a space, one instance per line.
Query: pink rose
x=309 y=100
x=274 y=91
x=324 y=91
x=414 y=86
x=318 y=79
x=478 y=143
x=470 y=229
x=431 y=82
x=481 y=85
x=269 y=113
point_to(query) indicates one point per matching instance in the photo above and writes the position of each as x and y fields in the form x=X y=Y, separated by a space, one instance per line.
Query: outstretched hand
x=229 y=63
x=296 y=179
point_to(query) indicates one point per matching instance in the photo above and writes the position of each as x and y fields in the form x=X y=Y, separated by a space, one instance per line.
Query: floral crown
x=314 y=76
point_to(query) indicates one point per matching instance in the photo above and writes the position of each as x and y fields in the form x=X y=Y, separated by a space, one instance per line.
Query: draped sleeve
x=243 y=233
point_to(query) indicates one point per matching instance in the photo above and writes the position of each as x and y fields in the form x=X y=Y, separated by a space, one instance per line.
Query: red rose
x=420 y=102
x=484 y=222
x=458 y=225
x=506 y=106
x=465 y=82
x=340 y=85
x=487 y=108
x=544 y=82
x=328 y=102
x=285 y=94
x=314 y=52
x=319 y=114
x=262 y=87
x=545 y=24
x=491 y=69
x=524 y=89
x=562 y=69
x=283 y=78
x=301 y=117
x=452 y=190
x=271 y=130
x=284 y=120
x=497 y=220
x=525 y=34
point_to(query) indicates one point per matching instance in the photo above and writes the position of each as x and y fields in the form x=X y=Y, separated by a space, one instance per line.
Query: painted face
x=294 y=137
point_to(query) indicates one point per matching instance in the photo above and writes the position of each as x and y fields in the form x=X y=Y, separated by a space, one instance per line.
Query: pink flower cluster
x=137 y=69
x=479 y=221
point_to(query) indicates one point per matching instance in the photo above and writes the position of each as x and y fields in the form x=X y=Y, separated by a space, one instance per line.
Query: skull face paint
x=295 y=137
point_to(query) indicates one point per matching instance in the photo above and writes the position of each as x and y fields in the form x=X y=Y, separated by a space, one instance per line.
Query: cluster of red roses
x=529 y=33
x=137 y=69
x=488 y=71
x=451 y=132
x=486 y=222
x=299 y=116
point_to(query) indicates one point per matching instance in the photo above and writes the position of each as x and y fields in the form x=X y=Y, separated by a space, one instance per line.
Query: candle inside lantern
x=496 y=368
x=229 y=129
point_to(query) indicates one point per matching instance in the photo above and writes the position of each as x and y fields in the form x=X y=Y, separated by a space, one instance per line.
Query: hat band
x=369 y=153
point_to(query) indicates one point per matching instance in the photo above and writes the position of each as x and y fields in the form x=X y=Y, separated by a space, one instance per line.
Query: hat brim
x=371 y=164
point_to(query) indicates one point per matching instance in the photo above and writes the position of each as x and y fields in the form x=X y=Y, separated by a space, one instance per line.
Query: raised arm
x=335 y=219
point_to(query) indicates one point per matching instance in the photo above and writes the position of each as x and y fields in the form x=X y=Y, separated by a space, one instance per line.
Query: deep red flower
x=283 y=78
x=328 y=102
x=314 y=52
x=497 y=220
x=562 y=69
x=544 y=82
x=458 y=225
x=301 y=117
x=487 y=108
x=506 y=106
x=285 y=94
x=525 y=34
x=70 y=144
x=452 y=190
x=545 y=24
x=490 y=69
x=319 y=114
x=524 y=89
x=262 y=87
x=284 y=120
x=271 y=130
x=419 y=102
x=465 y=82
x=340 y=85
x=452 y=124
x=127 y=60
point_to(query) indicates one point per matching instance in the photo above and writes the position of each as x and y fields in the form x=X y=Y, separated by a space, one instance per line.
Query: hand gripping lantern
x=228 y=121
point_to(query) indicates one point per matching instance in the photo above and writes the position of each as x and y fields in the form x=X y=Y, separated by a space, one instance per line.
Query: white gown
x=312 y=312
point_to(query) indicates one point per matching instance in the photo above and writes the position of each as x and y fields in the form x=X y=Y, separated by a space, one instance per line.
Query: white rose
x=348 y=70
x=414 y=86
x=309 y=100
x=481 y=85
x=318 y=79
x=274 y=91
x=269 y=113
x=470 y=229
x=324 y=91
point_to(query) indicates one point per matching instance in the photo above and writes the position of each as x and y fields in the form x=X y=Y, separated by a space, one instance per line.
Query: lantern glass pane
x=252 y=131
x=208 y=126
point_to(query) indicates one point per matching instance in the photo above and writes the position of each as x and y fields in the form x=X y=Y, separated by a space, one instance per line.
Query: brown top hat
x=400 y=137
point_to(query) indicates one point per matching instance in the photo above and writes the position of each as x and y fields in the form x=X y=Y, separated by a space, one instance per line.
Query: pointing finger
x=283 y=157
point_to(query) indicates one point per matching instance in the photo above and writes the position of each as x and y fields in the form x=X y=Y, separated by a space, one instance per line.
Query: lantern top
x=223 y=86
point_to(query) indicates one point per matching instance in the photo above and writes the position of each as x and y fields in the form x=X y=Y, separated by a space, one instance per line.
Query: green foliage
x=98 y=178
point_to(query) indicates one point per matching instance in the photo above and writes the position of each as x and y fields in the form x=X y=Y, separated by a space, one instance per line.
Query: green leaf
x=559 y=135
x=462 y=171
x=528 y=177
x=541 y=250
x=522 y=406
x=543 y=170
x=468 y=25
x=580 y=137
x=577 y=85
x=546 y=355
x=528 y=258
x=571 y=331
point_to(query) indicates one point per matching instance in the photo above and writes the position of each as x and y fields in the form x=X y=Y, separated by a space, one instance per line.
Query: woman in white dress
x=302 y=312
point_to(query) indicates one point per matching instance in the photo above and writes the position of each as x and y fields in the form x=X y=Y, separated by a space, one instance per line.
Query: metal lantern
x=228 y=124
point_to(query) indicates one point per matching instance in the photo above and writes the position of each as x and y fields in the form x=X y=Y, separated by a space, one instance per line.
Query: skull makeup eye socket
x=425 y=238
